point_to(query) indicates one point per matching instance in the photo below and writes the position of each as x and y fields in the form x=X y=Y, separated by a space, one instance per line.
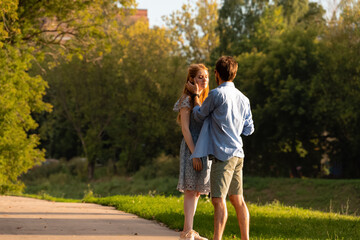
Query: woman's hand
x=193 y=88
x=197 y=164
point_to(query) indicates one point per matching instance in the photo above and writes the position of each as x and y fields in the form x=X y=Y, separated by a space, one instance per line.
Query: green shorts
x=226 y=177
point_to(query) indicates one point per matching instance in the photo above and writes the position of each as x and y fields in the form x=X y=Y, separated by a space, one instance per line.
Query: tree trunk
x=91 y=169
x=114 y=166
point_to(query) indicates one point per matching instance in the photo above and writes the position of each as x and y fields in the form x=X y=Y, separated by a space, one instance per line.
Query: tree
x=20 y=95
x=64 y=28
x=246 y=25
x=236 y=25
x=150 y=78
x=25 y=39
x=340 y=90
x=120 y=106
x=293 y=10
x=194 y=29
x=276 y=45
x=83 y=97
x=280 y=87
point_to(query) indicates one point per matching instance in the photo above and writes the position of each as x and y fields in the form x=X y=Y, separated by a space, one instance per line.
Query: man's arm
x=194 y=89
x=206 y=108
x=249 y=123
x=196 y=100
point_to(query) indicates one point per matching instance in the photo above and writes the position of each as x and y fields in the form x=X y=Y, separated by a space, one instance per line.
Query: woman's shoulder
x=185 y=98
x=183 y=102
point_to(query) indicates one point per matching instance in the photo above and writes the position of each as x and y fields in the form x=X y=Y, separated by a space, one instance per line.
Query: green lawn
x=329 y=195
x=156 y=197
x=270 y=221
x=339 y=196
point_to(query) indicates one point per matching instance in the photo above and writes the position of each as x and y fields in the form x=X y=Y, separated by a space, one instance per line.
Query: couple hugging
x=211 y=153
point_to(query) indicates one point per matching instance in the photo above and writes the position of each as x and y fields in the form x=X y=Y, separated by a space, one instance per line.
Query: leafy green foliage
x=279 y=85
x=20 y=95
x=236 y=25
x=301 y=77
x=339 y=88
x=69 y=179
x=121 y=106
x=151 y=79
x=64 y=28
x=113 y=85
x=29 y=31
x=194 y=30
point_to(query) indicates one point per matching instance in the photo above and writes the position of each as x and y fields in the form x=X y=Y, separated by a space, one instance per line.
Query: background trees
x=236 y=25
x=120 y=106
x=280 y=84
x=194 y=29
x=20 y=95
x=289 y=74
x=339 y=89
x=112 y=85
x=25 y=39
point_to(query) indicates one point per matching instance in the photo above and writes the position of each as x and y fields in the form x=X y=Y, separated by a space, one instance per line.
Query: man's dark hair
x=227 y=67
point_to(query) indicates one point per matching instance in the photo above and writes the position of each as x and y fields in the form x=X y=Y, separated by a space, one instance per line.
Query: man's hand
x=197 y=164
x=193 y=88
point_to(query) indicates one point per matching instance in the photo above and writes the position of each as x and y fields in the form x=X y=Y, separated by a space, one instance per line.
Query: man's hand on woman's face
x=193 y=88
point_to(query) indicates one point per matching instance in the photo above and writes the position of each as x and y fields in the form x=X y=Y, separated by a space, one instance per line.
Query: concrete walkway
x=26 y=218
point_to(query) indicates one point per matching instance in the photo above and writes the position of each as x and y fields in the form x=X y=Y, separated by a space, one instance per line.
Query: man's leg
x=220 y=179
x=237 y=199
x=220 y=217
x=242 y=214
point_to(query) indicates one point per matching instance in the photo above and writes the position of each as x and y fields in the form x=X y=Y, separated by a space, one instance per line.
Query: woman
x=194 y=177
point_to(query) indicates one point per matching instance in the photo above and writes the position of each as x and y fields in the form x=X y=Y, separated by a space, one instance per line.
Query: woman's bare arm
x=185 y=128
x=185 y=123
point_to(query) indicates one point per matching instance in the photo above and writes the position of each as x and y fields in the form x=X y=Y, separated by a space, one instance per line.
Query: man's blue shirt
x=226 y=115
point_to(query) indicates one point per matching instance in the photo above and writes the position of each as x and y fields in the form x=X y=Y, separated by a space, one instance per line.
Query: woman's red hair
x=192 y=72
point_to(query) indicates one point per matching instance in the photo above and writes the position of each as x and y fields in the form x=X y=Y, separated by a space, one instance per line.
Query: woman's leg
x=190 y=202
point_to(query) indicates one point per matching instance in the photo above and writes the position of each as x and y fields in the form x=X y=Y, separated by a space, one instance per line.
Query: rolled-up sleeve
x=201 y=113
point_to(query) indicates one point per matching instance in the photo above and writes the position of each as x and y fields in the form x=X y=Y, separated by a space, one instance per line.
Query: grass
x=68 y=180
x=339 y=196
x=269 y=201
x=268 y=222
x=329 y=195
x=271 y=221
x=71 y=187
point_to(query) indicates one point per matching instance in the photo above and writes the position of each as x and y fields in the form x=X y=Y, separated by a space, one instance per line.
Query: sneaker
x=191 y=235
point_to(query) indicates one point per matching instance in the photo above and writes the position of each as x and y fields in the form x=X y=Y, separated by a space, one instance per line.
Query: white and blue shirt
x=226 y=115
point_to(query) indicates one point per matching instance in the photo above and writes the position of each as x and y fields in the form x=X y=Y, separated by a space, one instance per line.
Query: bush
x=162 y=166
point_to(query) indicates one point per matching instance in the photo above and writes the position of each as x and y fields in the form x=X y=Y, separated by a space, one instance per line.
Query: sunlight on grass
x=272 y=221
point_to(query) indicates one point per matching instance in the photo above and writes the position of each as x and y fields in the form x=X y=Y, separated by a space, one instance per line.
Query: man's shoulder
x=215 y=91
x=231 y=90
x=224 y=91
x=243 y=96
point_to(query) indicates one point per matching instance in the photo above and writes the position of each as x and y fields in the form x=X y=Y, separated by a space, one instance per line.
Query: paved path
x=27 y=218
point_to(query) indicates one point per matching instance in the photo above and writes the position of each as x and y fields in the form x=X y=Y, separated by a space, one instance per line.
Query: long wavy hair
x=192 y=72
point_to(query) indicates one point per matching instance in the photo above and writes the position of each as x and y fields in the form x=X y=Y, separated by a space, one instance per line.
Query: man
x=226 y=114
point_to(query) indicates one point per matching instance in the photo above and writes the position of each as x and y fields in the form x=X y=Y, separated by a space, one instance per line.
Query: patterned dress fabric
x=189 y=179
